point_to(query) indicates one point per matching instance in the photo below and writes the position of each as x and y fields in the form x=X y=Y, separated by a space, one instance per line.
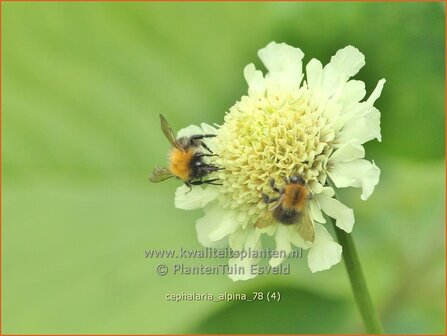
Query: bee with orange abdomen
x=186 y=160
x=291 y=207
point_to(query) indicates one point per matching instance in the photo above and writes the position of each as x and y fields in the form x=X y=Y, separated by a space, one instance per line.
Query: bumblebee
x=291 y=207
x=186 y=159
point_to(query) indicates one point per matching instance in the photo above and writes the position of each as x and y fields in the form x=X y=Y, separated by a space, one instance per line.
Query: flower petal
x=283 y=62
x=208 y=129
x=332 y=81
x=241 y=269
x=315 y=187
x=237 y=239
x=344 y=216
x=189 y=130
x=314 y=73
x=361 y=128
x=282 y=239
x=361 y=123
x=347 y=152
x=296 y=239
x=253 y=244
x=211 y=228
x=315 y=211
x=376 y=93
x=196 y=198
x=328 y=192
x=194 y=129
x=353 y=92
x=348 y=61
x=255 y=80
x=270 y=229
x=325 y=252
x=357 y=173
x=228 y=224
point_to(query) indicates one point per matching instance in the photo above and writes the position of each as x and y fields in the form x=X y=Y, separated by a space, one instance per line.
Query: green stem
x=358 y=283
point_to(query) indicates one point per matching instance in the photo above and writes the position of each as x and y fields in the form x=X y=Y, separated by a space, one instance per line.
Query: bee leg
x=269 y=200
x=266 y=198
x=193 y=140
x=200 y=182
x=272 y=184
x=204 y=154
x=189 y=186
x=206 y=147
x=202 y=136
x=211 y=181
x=210 y=168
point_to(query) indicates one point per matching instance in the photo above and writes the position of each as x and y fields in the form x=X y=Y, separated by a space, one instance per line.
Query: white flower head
x=314 y=128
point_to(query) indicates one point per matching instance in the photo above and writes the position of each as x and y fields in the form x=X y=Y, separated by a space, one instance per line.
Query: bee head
x=296 y=179
x=183 y=141
x=195 y=142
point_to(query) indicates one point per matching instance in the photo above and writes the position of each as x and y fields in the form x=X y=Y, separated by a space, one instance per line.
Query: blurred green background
x=83 y=84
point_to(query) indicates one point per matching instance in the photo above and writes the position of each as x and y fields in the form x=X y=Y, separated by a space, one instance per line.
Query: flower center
x=272 y=136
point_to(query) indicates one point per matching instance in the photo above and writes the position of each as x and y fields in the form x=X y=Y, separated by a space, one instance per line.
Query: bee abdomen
x=286 y=216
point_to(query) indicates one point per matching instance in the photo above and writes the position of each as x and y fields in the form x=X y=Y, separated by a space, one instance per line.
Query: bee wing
x=305 y=226
x=169 y=134
x=265 y=220
x=160 y=174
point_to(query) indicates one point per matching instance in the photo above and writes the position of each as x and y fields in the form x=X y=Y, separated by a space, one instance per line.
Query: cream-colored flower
x=286 y=125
